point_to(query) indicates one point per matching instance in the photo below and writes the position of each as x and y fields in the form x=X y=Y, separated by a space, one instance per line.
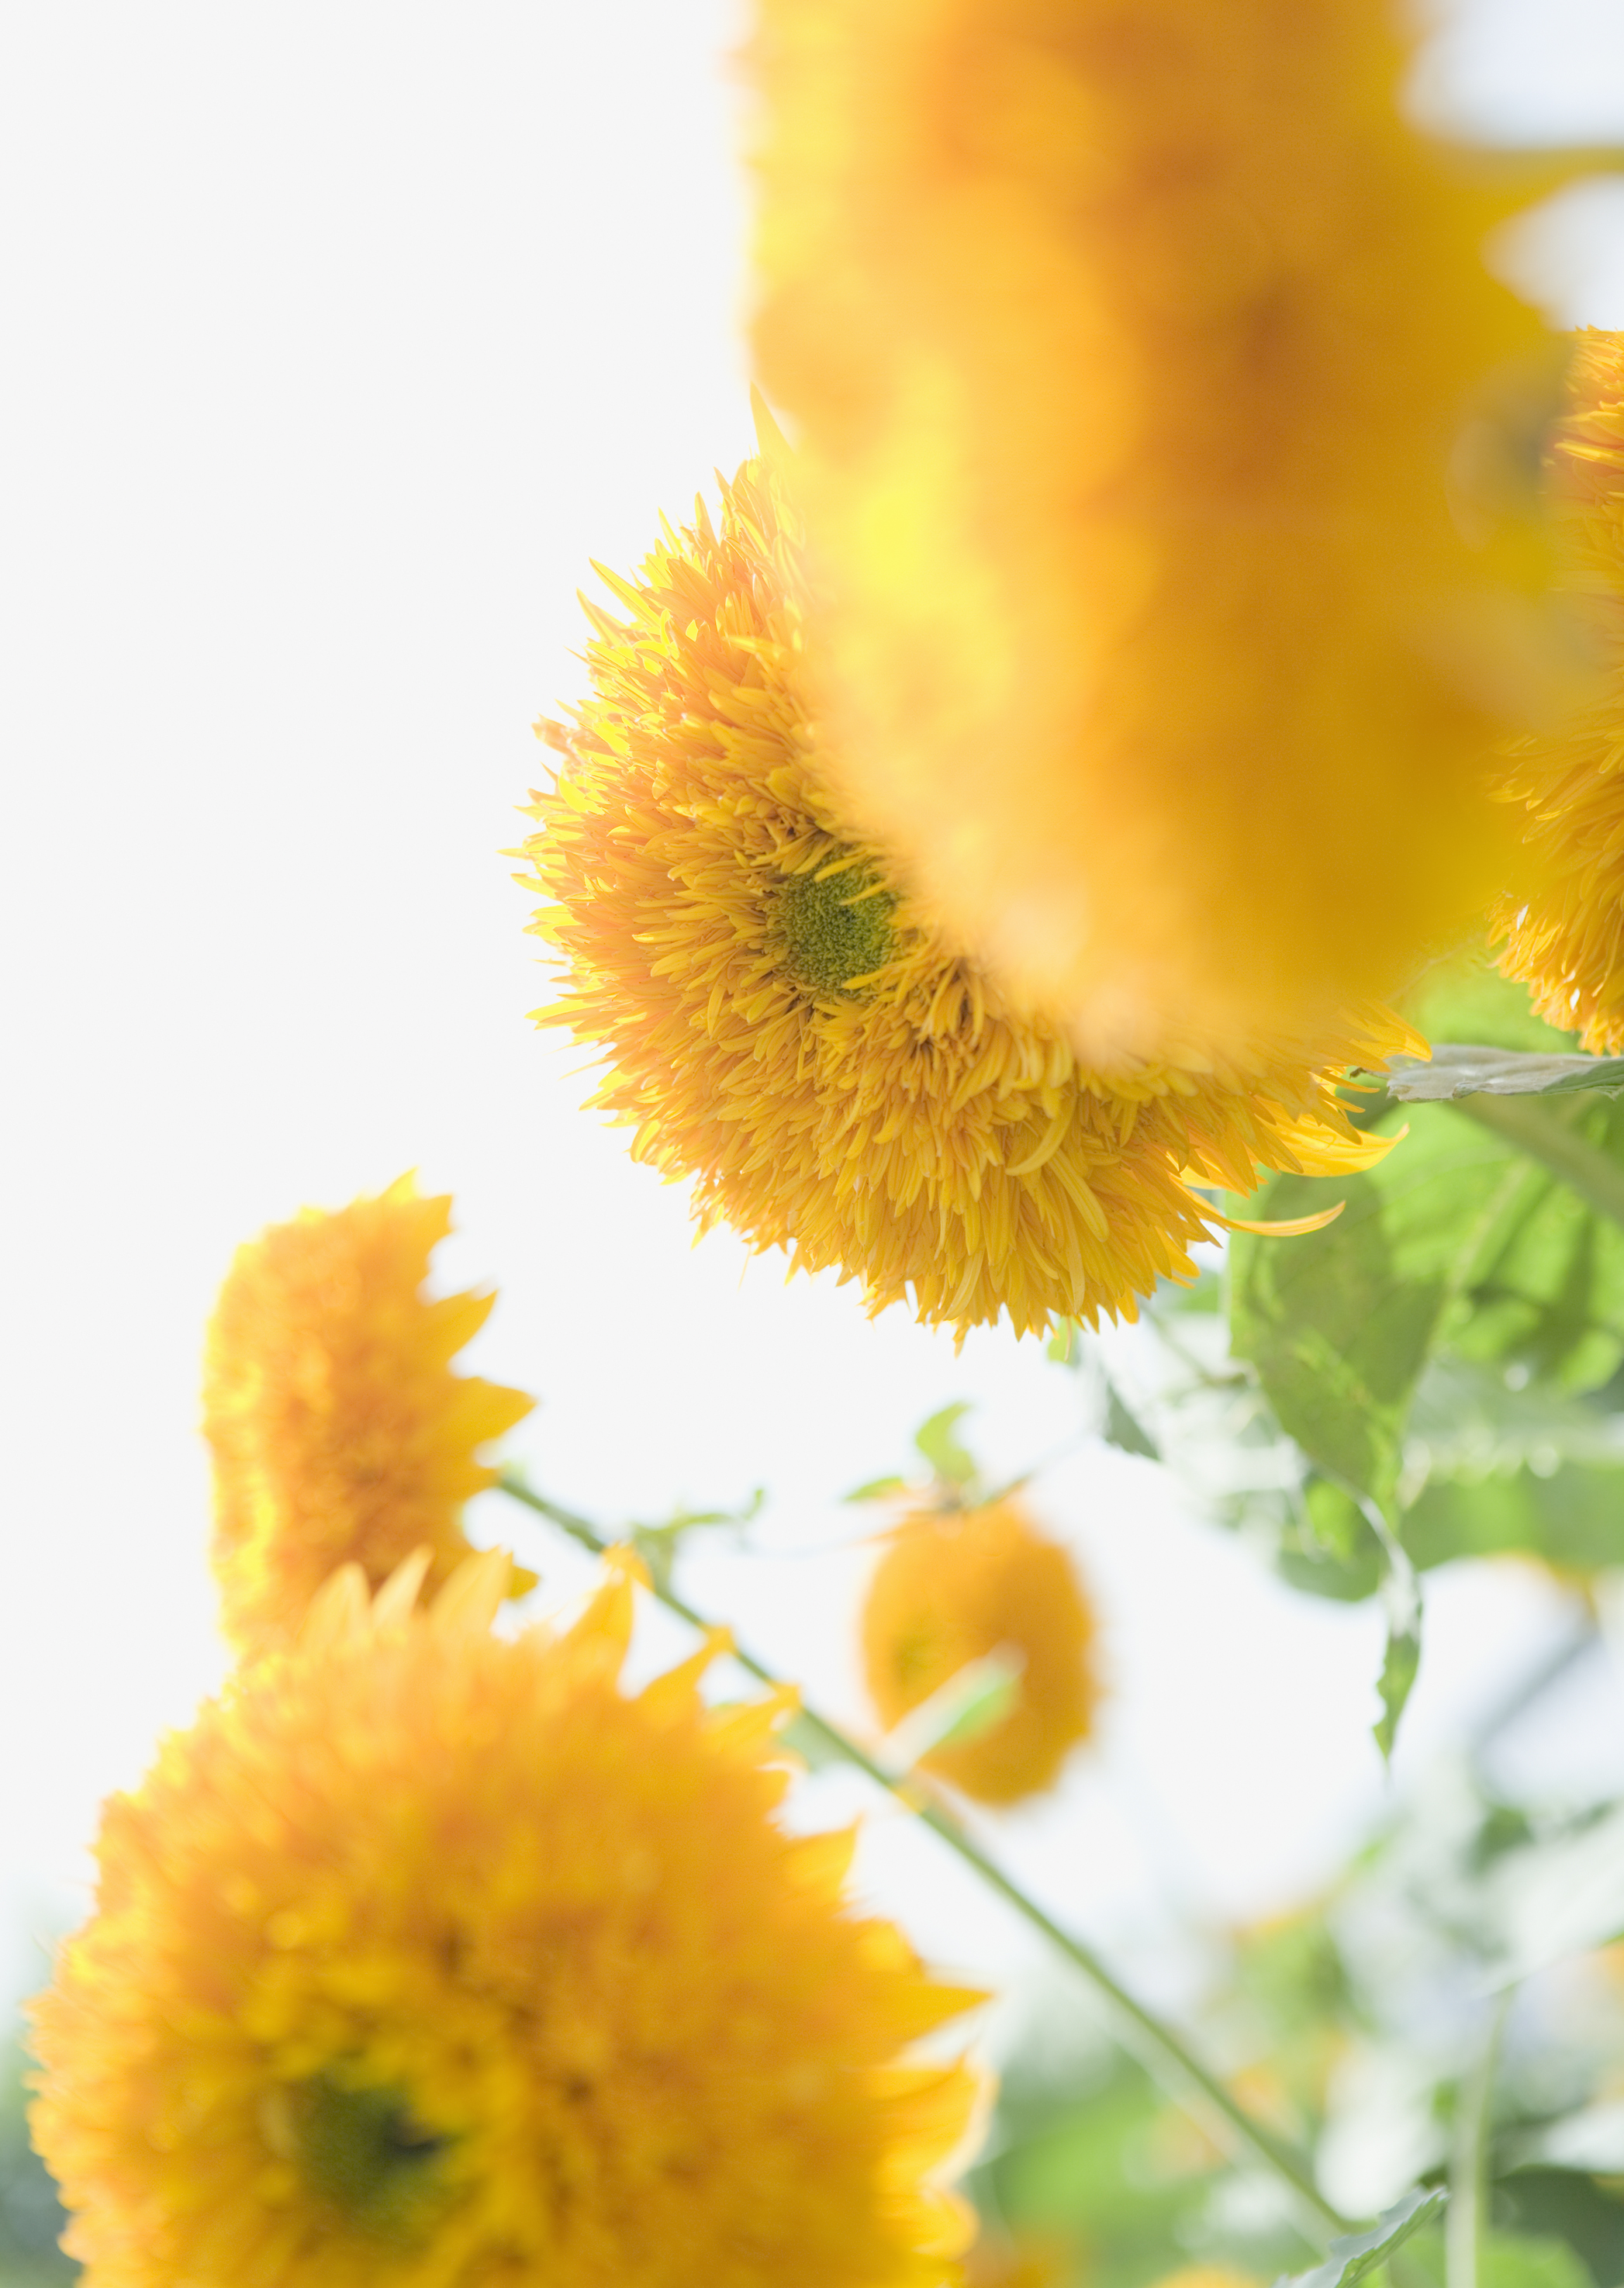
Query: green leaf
x=1455 y=1239
x=1507 y=2260
x=875 y=1490
x=1513 y=1466
x=1512 y=2261
x=1573 y=1519
x=1542 y=2201
x=1471 y=1418
x=1123 y=1428
x=1473 y=1069
x=1508 y=1467
x=1341 y=1323
x=1548 y=1293
x=1399 y=1667
x=951 y=1462
x=1357 y=2254
x=1333 y=1552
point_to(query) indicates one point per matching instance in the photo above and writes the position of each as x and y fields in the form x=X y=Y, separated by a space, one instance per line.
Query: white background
x=339 y=338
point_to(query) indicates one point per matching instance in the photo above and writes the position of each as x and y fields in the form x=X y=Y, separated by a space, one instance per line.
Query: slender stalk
x=1162 y=2050
x=1535 y=1127
x=1463 y=2225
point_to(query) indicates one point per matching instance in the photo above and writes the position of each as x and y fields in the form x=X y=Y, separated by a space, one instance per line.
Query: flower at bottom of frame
x=432 y=1960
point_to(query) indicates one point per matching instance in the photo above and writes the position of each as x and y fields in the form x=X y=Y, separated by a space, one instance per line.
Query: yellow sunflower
x=788 y=1026
x=954 y=1586
x=1566 y=940
x=338 y=1429
x=1159 y=441
x=429 y=1960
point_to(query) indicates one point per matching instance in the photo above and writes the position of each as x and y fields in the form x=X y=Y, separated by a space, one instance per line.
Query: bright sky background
x=340 y=338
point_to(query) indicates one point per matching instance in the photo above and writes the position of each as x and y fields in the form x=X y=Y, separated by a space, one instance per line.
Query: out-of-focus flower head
x=427 y=1957
x=788 y=1025
x=1208 y=2275
x=954 y=1587
x=1566 y=938
x=338 y=1431
x=1026 y=2260
x=1159 y=441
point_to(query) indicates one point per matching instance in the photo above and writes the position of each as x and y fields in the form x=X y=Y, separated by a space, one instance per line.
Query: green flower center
x=829 y=931
x=364 y=2152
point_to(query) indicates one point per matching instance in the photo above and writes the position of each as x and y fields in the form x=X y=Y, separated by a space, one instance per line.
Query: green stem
x=1463 y=2226
x=1537 y=1129
x=1160 y=2049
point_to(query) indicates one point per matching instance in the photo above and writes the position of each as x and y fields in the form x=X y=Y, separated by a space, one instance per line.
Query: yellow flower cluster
x=1566 y=939
x=434 y=1960
x=337 y=1429
x=954 y=1586
x=789 y=1028
x=1136 y=349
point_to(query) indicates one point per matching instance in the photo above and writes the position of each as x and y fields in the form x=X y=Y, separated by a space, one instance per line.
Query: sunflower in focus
x=1566 y=940
x=954 y=1587
x=427 y=1957
x=787 y=1023
x=338 y=1431
x=1175 y=586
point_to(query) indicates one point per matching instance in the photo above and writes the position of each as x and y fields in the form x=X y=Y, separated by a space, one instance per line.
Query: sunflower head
x=338 y=1431
x=955 y=1587
x=1566 y=940
x=432 y=1958
x=1150 y=394
x=786 y=1024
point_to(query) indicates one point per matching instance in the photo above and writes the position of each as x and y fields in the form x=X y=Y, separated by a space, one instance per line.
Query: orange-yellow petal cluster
x=956 y=1585
x=790 y=1029
x=1566 y=940
x=1158 y=428
x=338 y=1431
x=431 y=1960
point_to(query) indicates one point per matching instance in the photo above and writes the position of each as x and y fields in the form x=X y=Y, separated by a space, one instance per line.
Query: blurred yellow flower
x=1208 y=2275
x=431 y=1958
x=1136 y=349
x=788 y=1026
x=1566 y=940
x=1026 y=2260
x=956 y=1585
x=338 y=1429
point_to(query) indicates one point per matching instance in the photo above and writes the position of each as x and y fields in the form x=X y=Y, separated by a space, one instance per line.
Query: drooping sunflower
x=954 y=1586
x=789 y=1026
x=1159 y=441
x=338 y=1429
x=1566 y=938
x=430 y=1961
